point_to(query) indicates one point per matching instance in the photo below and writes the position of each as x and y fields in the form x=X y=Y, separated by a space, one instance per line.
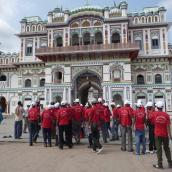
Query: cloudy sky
x=12 y=11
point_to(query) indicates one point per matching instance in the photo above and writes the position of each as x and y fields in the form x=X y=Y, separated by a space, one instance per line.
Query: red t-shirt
x=47 y=119
x=63 y=116
x=78 y=112
x=94 y=115
x=107 y=115
x=87 y=114
x=140 y=118
x=33 y=114
x=161 y=121
x=115 y=112
x=125 y=116
x=100 y=110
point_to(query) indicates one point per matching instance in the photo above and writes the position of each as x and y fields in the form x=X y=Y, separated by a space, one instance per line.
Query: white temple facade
x=90 y=51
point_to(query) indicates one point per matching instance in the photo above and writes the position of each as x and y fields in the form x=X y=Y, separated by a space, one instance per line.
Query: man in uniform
x=162 y=134
x=125 y=119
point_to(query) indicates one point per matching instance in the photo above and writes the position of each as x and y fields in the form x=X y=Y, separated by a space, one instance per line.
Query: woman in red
x=47 y=122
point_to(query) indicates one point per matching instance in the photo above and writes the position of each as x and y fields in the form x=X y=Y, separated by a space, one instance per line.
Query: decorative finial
x=87 y=2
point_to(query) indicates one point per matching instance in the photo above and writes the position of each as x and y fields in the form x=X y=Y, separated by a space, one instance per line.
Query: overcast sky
x=12 y=11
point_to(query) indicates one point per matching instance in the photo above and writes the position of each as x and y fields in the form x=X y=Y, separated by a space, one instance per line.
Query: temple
x=90 y=52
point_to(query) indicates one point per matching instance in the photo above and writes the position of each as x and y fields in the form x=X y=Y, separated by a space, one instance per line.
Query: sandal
x=157 y=166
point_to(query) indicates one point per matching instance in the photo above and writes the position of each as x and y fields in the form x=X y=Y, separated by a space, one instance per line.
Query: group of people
x=66 y=121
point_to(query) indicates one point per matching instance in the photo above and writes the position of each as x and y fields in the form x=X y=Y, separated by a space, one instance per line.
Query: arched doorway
x=3 y=103
x=87 y=86
x=117 y=98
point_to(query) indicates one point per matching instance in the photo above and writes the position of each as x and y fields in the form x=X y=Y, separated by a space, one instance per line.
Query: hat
x=118 y=106
x=127 y=102
x=112 y=104
x=33 y=103
x=100 y=100
x=149 y=104
x=106 y=104
x=57 y=105
x=63 y=103
x=86 y=105
x=76 y=101
x=49 y=107
x=138 y=104
x=159 y=104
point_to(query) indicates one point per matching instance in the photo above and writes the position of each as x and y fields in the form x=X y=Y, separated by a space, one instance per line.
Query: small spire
x=87 y=2
x=114 y=4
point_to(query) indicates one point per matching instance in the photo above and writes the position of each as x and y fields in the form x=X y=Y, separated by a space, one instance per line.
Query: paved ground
x=18 y=156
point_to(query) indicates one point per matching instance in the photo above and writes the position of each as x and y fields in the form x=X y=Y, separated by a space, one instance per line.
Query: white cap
x=87 y=105
x=106 y=104
x=138 y=104
x=149 y=104
x=112 y=104
x=33 y=103
x=118 y=106
x=49 y=107
x=63 y=103
x=76 y=101
x=127 y=102
x=159 y=104
x=57 y=105
x=100 y=100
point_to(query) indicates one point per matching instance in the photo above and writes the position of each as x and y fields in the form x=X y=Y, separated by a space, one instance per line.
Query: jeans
x=104 y=132
x=165 y=142
x=95 y=137
x=124 y=132
x=33 y=134
x=64 y=129
x=140 y=139
x=152 y=145
x=76 y=130
x=115 y=127
x=47 y=135
x=18 y=129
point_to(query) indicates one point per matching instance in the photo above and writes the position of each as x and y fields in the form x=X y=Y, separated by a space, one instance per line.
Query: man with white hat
x=162 y=134
x=78 y=112
x=139 y=122
x=149 y=113
x=125 y=120
x=33 y=117
x=56 y=109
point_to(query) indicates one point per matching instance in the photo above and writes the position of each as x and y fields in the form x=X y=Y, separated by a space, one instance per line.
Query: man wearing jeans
x=162 y=134
x=125 y=119
x=139 y=122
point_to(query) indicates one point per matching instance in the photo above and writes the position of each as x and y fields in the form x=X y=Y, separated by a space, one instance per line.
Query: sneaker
x=148 y=151
x=100 y=150
x=94 y=151
x=151 y=152
x=158 y=166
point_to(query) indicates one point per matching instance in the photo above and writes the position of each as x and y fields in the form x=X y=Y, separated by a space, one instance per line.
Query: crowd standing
x=64 y=122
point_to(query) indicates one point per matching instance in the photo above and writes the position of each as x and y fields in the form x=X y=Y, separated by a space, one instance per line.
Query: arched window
x=158 y=79
x=116 y=38
x=98 y=38
x=42 y=82
x=6 y=61
x=59 y=41
x=29 y=49
x=3 y=78
x=58 y=77
x=116 y=75
x=149 y=19
x=155 y=42
x=39 y=28
x=136 y=20
x=33 y=28
x=156 y=19
x=27 y=28
x=140 y=79
x=75 y=39
x=86 y=24
x=86 y=38
x=143 y=19
x=27 y=83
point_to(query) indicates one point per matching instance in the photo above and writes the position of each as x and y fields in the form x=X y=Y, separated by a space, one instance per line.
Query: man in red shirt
x=139 y=122
x=162 y=134
x=149 y=113
x=33 y=117
x=77 y=120
x=125 y=120
x=64 y=119
x=94 y=121
x=47 y=122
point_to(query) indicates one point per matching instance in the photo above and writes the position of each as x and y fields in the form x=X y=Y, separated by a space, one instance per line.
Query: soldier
x=77 y=120
x=64 y=118
x=125 y=119
x=162 y=134
x=33 y=117
x=47 y=122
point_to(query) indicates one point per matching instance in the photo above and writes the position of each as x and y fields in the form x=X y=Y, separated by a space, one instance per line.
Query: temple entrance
x=87 y=87
x=3 y=104
x=117 y=98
